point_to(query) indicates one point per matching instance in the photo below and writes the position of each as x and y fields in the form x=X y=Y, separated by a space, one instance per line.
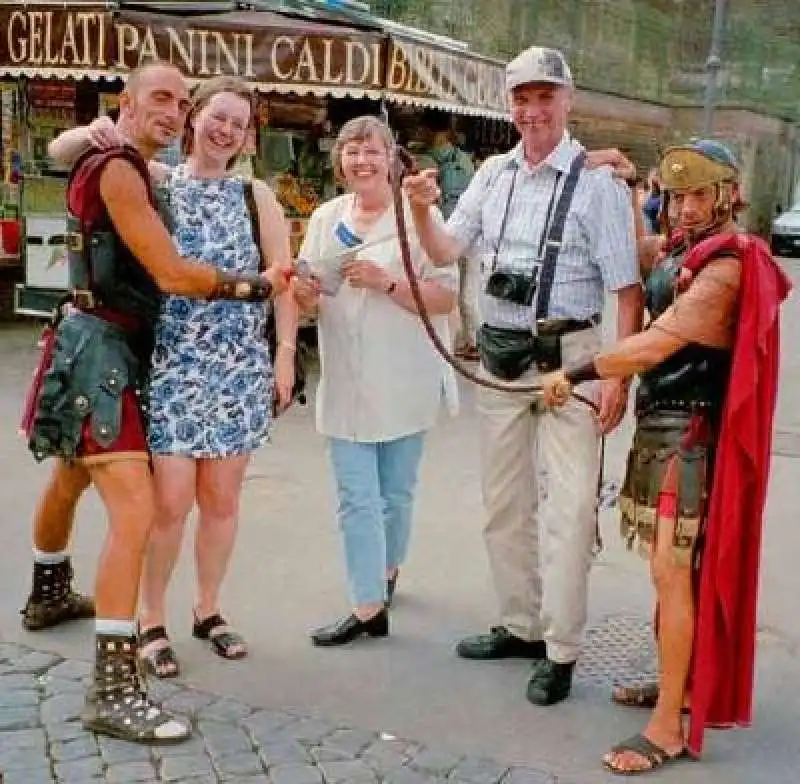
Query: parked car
x=786 y=233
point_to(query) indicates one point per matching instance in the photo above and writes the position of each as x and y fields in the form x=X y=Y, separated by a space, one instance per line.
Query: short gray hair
x=357 y=130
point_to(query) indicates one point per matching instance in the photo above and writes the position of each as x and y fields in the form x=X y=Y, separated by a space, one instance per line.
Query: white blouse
x=381 y=378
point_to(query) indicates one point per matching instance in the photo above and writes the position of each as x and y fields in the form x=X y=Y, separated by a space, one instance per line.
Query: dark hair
x=203 y=93
x=135 y=76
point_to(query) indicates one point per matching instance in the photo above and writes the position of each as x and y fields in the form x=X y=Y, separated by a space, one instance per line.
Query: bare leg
x=55 y=512
x=219 y=489
x=175 y=481
x=52 y=600
x=126 y=488
x=673 y=583
x=116 y=703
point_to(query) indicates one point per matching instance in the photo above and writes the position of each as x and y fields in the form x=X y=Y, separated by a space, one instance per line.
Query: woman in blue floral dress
x=212 y=380
x=211 y=385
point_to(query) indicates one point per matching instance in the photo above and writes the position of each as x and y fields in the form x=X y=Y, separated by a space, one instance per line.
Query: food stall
x=313 y=68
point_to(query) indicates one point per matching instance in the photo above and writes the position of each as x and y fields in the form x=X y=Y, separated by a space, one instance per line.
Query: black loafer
x=550 y=682
x=348 y=629
x=500 y=644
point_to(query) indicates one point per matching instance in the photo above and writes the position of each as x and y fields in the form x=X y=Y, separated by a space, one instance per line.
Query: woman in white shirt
x=381 y=383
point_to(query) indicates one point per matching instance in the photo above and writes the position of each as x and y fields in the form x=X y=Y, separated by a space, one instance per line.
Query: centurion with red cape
x=694 y=493
x=722 y=670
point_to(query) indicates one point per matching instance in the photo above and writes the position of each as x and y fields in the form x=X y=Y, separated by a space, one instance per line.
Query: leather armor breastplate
x=105 y=266
x=696 y=376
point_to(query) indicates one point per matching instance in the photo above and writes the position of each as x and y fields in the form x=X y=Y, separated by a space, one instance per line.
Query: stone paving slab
x=42 y=741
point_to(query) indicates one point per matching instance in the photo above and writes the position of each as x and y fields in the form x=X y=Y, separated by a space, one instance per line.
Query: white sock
x=117 y=628
x=41 y=557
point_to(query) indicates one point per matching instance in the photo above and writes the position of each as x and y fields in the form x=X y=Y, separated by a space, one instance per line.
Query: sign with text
x=274 y=51
x=415 y=69
x=258 y=46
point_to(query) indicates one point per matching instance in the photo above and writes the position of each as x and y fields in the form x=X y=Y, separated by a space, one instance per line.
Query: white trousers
x=539 y=483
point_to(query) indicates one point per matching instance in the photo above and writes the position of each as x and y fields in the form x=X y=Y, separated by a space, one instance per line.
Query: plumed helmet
x=697 y=165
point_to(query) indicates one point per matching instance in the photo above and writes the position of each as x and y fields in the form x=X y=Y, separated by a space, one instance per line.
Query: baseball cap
x=538 y=64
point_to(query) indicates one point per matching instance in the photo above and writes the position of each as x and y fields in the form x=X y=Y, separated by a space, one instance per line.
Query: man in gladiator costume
x=696 y=483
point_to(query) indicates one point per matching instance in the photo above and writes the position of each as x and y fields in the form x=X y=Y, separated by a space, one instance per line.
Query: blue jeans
x=375 y=483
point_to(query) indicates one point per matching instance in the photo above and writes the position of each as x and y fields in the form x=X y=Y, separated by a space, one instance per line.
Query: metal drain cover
x=618 y=650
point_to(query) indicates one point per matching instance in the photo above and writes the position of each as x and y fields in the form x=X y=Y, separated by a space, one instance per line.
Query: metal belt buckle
x=84 y=299
x=548 y=326
x=75 y=242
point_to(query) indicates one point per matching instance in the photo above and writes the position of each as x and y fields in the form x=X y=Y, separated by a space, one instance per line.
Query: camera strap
x=554 y=235
x=503 y=223
x=545 y=229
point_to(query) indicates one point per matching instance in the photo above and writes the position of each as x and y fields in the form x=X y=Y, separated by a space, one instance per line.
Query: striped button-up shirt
x=598 y=249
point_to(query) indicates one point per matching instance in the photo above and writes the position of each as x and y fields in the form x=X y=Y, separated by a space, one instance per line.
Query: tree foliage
x=650 y=49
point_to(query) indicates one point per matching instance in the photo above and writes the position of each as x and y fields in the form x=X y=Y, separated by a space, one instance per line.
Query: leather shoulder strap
x=255 y=227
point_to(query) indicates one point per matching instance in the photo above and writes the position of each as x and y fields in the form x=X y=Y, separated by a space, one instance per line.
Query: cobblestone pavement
x=42 y=741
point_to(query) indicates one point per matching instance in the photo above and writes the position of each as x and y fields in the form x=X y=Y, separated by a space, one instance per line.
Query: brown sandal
x=161 y=662
x=223 y=639
x=641 y=696
x=653 y=755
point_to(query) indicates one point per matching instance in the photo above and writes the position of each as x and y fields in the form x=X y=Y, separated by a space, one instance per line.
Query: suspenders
x=555 y=233
x=552 y=232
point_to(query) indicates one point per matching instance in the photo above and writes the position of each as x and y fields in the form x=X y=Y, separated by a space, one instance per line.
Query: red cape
x=725 y=632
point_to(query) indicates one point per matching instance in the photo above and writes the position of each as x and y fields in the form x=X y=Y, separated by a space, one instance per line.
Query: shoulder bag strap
x=252 y=209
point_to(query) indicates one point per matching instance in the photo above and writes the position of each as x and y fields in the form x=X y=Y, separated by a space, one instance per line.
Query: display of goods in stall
x=296 y=195
x=9 y=237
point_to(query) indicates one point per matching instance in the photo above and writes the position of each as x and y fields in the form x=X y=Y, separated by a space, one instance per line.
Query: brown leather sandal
x=160 y=662
x=654 y=756
x=223 y=639
x=644 y=695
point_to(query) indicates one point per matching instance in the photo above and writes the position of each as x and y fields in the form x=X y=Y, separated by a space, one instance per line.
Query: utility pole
x=713 y=65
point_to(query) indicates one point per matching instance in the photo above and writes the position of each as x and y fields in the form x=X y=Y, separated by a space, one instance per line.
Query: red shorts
x=130 y=444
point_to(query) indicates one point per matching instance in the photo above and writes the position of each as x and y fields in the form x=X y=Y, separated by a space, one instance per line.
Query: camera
x=512 y=287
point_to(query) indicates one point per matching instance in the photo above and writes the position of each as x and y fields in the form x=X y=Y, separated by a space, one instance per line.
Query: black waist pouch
x=508 y=353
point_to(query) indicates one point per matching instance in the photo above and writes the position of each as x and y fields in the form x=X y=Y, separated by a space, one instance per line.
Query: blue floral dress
x=210 y=392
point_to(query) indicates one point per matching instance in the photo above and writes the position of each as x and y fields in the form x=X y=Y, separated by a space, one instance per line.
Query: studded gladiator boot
x=117 y=704
x=52 y=600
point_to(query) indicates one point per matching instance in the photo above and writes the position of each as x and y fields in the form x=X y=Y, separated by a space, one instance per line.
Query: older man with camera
x=554 y=236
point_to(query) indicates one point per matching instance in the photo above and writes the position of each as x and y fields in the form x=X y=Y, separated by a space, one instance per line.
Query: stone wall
x=768 y=148
x=648 y=49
